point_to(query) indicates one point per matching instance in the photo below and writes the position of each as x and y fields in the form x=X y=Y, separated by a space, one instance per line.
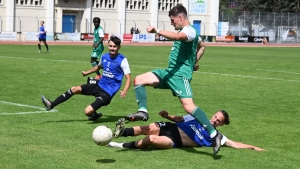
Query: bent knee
x=76 y=89
x=89 y=110
x=138 y=80
x=189 y=108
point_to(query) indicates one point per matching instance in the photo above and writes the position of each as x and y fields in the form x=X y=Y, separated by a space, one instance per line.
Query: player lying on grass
x=115 y=66
x=185 y=132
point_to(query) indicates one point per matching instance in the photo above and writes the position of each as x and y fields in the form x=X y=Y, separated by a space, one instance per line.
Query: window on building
x=137 y=4
x=28 y=2
x=166 y=5
x=104 y=4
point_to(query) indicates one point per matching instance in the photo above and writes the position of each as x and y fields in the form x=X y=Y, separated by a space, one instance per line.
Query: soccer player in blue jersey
x=177 y=76
x=42 y=36
x=115 y=66
x=185 y=132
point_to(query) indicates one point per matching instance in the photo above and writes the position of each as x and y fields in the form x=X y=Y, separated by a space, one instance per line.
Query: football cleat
x=120 y=125
x=47 y=103
x=95 y=116
x=115 y=145
x=138 y=116
x=216 y=142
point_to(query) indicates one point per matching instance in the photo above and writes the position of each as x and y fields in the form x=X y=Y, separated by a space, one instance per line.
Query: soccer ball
x=102 y=135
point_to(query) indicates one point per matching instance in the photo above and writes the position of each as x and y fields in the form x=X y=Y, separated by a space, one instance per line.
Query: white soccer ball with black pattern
x=102 y=135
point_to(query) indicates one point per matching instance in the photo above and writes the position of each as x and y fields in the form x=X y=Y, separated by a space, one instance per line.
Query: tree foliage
x=279 y=6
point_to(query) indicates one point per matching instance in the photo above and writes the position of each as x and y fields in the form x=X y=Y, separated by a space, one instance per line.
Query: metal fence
x=279 y=27
x=32 y=24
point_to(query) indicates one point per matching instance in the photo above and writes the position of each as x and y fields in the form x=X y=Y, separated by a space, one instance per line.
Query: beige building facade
x=117 y=16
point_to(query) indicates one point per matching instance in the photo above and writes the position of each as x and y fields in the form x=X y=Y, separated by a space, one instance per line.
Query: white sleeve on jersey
x=223 y=140
x=199 y=39
x=44 y=30
x=101 y=33
x=188 y=118
x=125 y=66
x=190 y=33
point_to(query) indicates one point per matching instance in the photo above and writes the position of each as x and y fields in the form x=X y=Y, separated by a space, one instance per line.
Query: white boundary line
x=253 y=77
x=41 y=110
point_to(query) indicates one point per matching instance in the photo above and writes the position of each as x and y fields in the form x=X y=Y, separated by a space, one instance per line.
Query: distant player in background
x=265 y=41
x=115 y=66
x=42 y=37
x=97 y=45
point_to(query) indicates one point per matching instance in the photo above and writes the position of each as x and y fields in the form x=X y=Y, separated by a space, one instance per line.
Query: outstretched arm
x=94 y=69
x=235 y=144
x=167 y=34
x=166 y=115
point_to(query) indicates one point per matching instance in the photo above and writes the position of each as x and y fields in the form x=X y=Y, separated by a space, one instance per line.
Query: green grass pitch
x=258 y=86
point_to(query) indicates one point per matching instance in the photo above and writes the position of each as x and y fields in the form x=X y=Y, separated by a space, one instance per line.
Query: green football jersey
x=182 y=57
x=97 y=38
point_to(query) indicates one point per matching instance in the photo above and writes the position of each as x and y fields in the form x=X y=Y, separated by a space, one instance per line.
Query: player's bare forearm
x=200 y=51
x=173 y=35
x=94 y=69
x=101 y=40
x=127 y=86
x=165 y=114
x=97 y=43
x=167 y=34
x=238 y=145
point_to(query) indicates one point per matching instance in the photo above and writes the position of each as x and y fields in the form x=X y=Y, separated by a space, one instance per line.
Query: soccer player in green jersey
x=97 y=45
x=178 y=75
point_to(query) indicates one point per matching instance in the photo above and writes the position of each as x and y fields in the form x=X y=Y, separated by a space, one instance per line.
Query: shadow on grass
x=190 y=150
x=102 y=119
x=194 y=150
x=105 y=160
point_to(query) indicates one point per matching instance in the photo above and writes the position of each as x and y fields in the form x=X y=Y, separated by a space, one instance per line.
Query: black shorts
x=42 y=40
x=170 y=130
x=102 y=97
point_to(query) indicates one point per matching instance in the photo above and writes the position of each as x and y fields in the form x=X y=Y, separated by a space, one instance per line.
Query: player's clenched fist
x=151 y=29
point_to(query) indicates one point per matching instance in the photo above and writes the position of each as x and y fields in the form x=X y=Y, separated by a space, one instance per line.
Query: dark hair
x=115 y=39
x=178 y=9
x=43 y=21
x=226 y=116
x=97 y=20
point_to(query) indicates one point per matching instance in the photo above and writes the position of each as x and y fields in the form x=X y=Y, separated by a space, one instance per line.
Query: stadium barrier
x=8 y=36
x=250 y=39
x=32 y=36
x=127 y=37
x=227 y=39
x=143 y=37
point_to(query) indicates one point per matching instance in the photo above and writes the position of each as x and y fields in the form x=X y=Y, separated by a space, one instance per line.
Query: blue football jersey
x=42 y=35
x=197 y=132
x=112 y=75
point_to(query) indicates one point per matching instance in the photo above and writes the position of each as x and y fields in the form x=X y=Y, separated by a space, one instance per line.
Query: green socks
x=200 y=116
x=141 y=96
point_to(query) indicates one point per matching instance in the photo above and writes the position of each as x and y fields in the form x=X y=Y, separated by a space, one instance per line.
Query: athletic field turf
x=258 y=86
